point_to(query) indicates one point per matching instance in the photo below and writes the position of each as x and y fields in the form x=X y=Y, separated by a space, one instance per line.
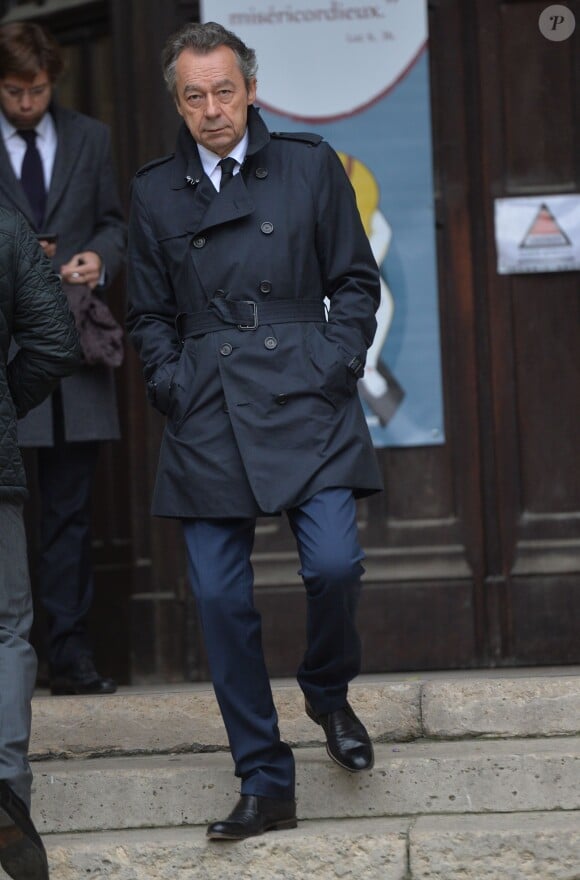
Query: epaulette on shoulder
x=306 y=137
x=153 y=164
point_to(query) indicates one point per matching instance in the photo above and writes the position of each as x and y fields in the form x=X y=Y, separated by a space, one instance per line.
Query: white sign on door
x=537 y=234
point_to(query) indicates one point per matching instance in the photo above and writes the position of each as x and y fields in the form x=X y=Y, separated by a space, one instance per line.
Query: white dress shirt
x=46 y=142
x=211 y=161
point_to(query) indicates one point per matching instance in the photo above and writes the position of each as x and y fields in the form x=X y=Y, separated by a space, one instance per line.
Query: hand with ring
x=83 y=268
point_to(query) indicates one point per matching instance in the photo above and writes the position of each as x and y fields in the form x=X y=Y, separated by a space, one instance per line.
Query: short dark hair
x=203 y=38
x=26 y=49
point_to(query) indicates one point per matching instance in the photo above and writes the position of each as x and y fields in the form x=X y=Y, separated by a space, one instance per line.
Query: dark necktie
x=32 y=177
x=227 y=165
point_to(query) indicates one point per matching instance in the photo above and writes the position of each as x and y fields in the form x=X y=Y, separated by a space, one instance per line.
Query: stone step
x=186 y=719
x=408 y=779
x=520 y=846
x=365 y=849
x=533 y=846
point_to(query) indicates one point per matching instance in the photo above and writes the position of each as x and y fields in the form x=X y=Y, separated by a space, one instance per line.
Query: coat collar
x=235 y=202
x=188 y=168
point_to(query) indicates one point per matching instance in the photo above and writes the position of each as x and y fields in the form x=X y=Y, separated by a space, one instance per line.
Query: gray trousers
x=17 y=657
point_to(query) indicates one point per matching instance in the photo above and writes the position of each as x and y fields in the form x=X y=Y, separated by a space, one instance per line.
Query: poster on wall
x=357 y=73
x=537 y=234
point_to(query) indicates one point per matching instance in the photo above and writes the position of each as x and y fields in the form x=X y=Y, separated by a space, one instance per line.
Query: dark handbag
x=100 y=334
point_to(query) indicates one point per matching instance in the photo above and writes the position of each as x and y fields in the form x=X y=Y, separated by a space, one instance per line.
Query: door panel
x=529 y=133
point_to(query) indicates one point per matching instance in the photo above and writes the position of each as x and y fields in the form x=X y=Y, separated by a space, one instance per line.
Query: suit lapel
x=69 y=147
x=10 y=187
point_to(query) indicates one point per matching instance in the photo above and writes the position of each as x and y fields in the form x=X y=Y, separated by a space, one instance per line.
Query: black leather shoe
x=22 y=854
x=347 y=741
x=253 y=815
x=82 y=678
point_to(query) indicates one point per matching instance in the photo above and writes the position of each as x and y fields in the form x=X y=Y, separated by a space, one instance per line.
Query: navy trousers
x=222 y=581
x=65 y=574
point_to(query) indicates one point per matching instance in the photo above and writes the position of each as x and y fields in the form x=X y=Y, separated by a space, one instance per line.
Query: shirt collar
x=43 y=129
x=210 y=160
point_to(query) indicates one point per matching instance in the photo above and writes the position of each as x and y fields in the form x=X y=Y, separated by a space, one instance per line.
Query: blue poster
x=358 y=74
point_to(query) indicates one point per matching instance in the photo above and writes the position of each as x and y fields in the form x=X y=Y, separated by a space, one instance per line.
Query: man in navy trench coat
x=229 y=264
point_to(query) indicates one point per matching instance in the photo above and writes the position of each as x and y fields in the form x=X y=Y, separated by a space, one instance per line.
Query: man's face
x=23 y=101
x=212 y=98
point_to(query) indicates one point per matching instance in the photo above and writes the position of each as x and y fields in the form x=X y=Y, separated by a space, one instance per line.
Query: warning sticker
x=537 y=234
x=545 y=231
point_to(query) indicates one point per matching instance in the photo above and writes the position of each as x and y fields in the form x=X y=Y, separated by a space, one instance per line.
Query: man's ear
x=178 y=108
x=252 y=88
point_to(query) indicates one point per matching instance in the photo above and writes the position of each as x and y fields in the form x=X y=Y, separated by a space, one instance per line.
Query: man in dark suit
x=234 y=242
x=56 y=169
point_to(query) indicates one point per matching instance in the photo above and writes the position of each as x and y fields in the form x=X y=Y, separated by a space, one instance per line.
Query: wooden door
x=528 y=130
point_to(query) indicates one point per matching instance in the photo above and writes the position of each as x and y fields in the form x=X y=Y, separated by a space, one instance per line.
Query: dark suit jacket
x=84 y=209
x=257 y=419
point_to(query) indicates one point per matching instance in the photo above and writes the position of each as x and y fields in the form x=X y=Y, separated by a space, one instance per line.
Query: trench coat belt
x=247 y=315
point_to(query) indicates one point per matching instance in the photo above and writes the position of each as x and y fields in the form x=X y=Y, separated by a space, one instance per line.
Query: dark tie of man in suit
x=32 y=176
x=228 y=164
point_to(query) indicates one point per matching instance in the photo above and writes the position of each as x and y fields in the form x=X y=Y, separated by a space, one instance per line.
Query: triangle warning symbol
x=544 y=231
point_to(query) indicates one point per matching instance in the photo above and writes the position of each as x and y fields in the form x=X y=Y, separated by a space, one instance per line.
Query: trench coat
x=225 y=308
x=84 y=210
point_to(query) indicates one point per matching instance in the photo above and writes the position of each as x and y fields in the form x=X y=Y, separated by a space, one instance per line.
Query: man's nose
x=25 y=101
x=212 y=107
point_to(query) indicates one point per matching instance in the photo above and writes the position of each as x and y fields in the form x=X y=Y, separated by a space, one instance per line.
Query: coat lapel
x=231 y=204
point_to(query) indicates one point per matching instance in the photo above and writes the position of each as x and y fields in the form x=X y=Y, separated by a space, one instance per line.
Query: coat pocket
x=328 y=367
x=181 y=385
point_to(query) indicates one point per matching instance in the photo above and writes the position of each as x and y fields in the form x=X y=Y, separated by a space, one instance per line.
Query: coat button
x=267 y=227
x=270 y=342
x=261 y=173
x=226 y=349
x=281 y=399
x=219 y=292
x=199 y=242
x=265 y=286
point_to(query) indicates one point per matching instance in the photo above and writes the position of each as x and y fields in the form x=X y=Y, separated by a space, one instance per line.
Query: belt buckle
x=254 y=324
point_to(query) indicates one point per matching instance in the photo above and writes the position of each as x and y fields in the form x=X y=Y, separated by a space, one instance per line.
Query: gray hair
x=203 y=38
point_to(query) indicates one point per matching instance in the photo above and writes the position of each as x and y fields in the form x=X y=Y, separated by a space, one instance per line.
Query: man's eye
x=225 y=94
x=194 y=99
